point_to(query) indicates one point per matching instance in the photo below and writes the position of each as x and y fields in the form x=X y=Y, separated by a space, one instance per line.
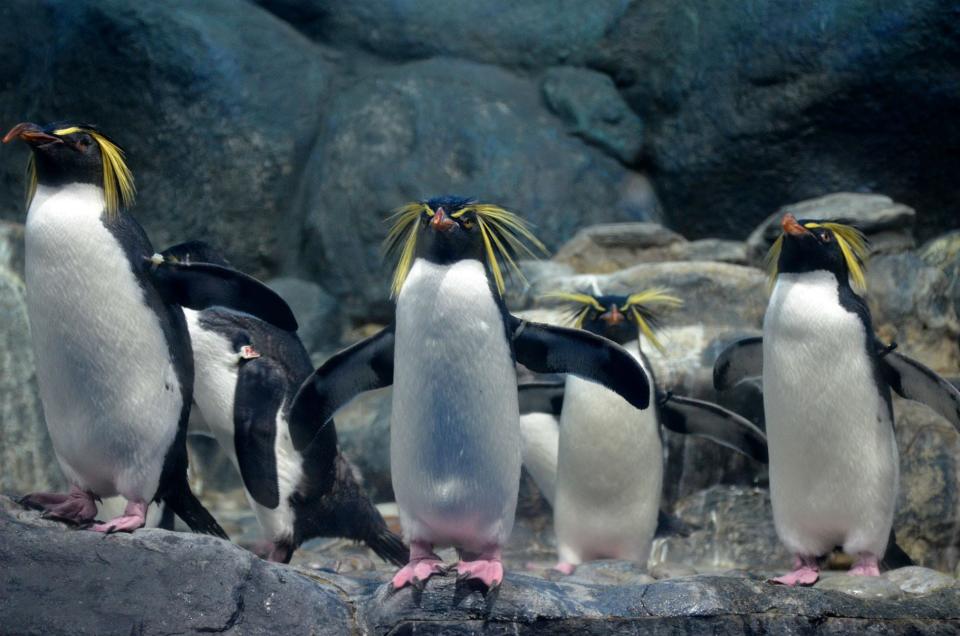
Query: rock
x=944 y=254
x=363 y=429
x=316 y=311
x=216 y=125
x=917 y=580
x=600 y=249
x=495 y=141
x=589 y=103
x=534 y=33
x=203 y=584
x=11 y=247
x=865 y=587
x=733 y=528
x=910 y=304
x=26 y=452
x=748 y=106
x=666 y=570
x=609 y=572
x=888 y=225
x=927 y=519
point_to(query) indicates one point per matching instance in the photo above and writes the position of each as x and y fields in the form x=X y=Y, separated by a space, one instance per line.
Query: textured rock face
x=216 y=124
x=156 y=582
x=431 y=128
x=748 y=107
x=317 y=312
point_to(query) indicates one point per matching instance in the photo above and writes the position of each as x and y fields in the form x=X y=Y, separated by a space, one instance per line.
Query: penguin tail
x=181 y=500
x=388 y=546
x=895 y=556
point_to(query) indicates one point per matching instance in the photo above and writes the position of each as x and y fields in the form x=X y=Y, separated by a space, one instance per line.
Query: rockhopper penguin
x=247 y=372
x=112 y=352
x=834 y=465
x=450 y=355
x=601 y=467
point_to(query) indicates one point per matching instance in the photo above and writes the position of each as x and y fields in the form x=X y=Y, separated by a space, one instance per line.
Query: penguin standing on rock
x=247 y=372
x=602 y=467
x=450 y=355
x=112 y=351
x=834 y=466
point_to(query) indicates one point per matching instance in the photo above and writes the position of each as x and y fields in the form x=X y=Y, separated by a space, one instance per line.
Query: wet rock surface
x=61 y=580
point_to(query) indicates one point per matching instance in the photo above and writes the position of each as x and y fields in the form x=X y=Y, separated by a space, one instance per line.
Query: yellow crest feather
x=644 y=308
x=851 y=241
x=504 y=234
x=118 y=186
x=581 y=305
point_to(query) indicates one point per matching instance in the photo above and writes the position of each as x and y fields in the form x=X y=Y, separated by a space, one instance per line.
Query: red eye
x=826 y=237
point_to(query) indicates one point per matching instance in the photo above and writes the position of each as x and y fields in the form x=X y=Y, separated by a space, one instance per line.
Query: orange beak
x=440 y=222
x=791 y=226
x=612 y=317
x=30 y=133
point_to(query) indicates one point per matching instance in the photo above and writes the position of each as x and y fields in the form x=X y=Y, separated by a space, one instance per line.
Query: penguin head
x=619 y=318
x=64 y=153
x=810 y=246
x=450 y=228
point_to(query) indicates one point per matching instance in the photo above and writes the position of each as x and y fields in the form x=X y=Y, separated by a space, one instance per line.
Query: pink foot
x=806 y=571
x=866 y=565
x=78 y=506
x=565 y=568
x=487 y=568
x=134 y=517
x=423 y=564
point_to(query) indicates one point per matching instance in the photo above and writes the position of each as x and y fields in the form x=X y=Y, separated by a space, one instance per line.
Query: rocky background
x=648 y=141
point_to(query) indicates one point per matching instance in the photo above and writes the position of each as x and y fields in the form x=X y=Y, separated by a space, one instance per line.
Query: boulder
x=317 y=311
x=749 y=106
x=216 y=125
x=444 y=126
x=887 y=224
x=11 y=247
x=588 y=102
x=533 y=33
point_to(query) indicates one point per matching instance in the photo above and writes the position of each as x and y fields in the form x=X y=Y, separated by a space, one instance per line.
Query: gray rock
x=944 y=254
x=392 y=128
x=917 y=580
x=589 y=103
x=11 y=247
x=202 y=584
x=217 y=125
x=363 y=429
x=733 y=529
x=317 y=311
x=887 y=224
x=608 y=572
x=668 y=570
x=863 y=587
x=748 y=106
x=533 y=33
x=26 y=452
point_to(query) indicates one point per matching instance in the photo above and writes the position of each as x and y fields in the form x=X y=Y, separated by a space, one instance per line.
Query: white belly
x=455 y=441
x=217 y=364
x=833 y=455
x=111 y=397
x=609 y=475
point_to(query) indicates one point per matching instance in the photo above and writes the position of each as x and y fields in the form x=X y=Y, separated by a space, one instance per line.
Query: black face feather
x=809 y=246
x=604 y=324
x=617 y=317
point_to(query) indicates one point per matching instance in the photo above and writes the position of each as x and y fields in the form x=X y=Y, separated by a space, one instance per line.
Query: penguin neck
x=53 y=173
x=75 y=198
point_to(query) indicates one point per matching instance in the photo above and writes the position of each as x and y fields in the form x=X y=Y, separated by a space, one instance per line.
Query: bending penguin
x=601 y=467
x=450 y=355
x=112 y=352
x=247 y=372
x=834 y=465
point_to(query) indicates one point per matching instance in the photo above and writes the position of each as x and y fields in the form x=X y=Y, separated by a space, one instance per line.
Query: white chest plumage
x=455 y=441
x=217 y=365
x=609 y=474
x=111 y=396
x=833 y=454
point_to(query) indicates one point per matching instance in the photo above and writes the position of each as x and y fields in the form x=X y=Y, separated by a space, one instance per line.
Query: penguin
x=450 y=355
x=601 y=465
x=247 y=372
x=834 y=465
x=112 y=352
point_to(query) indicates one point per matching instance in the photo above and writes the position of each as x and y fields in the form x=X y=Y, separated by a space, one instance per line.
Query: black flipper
x=740 y=360
x=185 y=505
x=705 y=419
x=915 y=381
x=549 y=349
x=541 y=397
x=167 y=520
x=670 y=525
x=259 y=395
x=203 y=285
x=195 y=252
x=895 y=556
x=365 y=366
